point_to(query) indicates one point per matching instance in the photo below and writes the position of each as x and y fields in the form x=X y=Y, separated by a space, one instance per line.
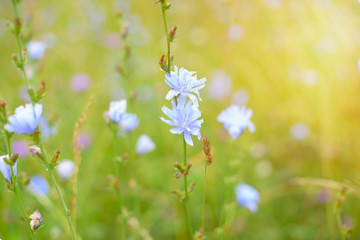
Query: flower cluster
x=236 y=119
x=117 y=113
x=184 y=115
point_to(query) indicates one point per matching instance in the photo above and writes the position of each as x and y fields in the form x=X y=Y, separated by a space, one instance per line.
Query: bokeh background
x=294 y=63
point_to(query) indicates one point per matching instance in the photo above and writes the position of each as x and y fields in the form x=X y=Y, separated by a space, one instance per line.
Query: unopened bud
x=24 y=54
x=3 y=111
x=125 y=31
x=36 y=220
x=41 y=89
x=172 y=34
x=114 y=182
x=17 y=26
x=127 y=51
x=191 y=187
x=16 y=61
x=14 y=158
x=55 y=158
x=162 y=63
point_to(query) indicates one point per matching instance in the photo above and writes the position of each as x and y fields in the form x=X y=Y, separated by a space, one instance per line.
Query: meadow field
x=157 y=119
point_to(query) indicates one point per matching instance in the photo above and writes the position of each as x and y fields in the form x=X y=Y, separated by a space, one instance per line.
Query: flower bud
x=17 y=26
x=36 y=220
x=191 y=187
x=172 y=33
x=41 y=90
x=14 y=158
x=16 y=61
x=24 y=54
x=55 y=158
x=3 y=117
x=162 y=63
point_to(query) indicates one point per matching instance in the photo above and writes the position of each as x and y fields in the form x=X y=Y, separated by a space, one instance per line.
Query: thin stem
x=118 y=192
x=50 y=170
x=19 y=45
x=16 y=190
x=167 y=37
x=203 y=210
x=188 y=225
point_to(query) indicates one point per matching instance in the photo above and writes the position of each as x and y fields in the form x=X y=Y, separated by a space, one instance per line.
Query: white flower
x=36 y=220
x=247 y=196
x=236 y=119
x=65 y=169
x=25 y=119
x=36 y=49
x=117 y=110
x=5 y=168
x=144 y=145
x=129 y=122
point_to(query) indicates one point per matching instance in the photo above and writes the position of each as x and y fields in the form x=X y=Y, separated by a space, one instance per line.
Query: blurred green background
x=294 y=63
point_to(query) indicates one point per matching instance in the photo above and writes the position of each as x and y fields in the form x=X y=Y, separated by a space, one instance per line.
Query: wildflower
x=184 y=119
x=36 y=220
x=5 y=168
x=21 y=147
x=144 y=145
x=25 y=119
x=35 y=151
x=80 y=83
x=236 y=119
x=117 y=110
x=38 y=186
x=220 y=85
x=183 y=83
x=247 y=196
x=65 y=169
x=129 y=122
x=84 y=141
x=46 y=129
x=299 y=131
x=36 y=49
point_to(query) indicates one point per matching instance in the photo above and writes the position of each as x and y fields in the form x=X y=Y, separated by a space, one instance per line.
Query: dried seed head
x=35 y=151
x=207 y=150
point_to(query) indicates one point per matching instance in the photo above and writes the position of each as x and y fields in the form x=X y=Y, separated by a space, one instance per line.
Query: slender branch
x=51 y=173
x=16 y=191
x=187 y=220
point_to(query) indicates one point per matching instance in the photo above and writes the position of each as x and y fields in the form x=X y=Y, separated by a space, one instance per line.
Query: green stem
x=50 y=170
x=16 y=190
x=19 y=45
x=187 y=220
x=167 y=37
x=118 y=192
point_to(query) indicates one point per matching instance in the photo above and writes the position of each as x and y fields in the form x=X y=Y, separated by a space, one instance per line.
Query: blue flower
x=65 y=169
x=247 y=196
x=129 y=122
x=144 y=145
x=36 y=49
x=38 y=186
x=25 y=119
x=5 y=168
x=46 y=129
x=117 y=110
x=183 y=83
x=184 y=117
x=236 y=119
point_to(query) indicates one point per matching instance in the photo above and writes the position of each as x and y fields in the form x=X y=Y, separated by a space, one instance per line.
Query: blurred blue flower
x=117 y=110
x=38 y=186
x=144 y=145
x=184 y=119
x=46 y=129
x=5 y=168
x=65 y=169
x=129 y=122
x=247 y=196
x=20 y=147
x=25 y=119
x=36 y=49
x=236 y=119
x=183 y=83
